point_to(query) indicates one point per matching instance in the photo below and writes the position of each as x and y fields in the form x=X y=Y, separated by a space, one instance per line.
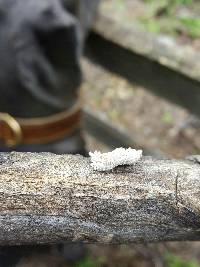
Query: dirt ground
x=153 y=122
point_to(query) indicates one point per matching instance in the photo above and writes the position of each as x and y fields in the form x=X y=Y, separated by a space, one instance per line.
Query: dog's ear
x=47 y=56
x=34 y=72
x=58 y=33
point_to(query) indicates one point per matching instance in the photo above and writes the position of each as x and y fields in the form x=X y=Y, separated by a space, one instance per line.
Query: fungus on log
x=48 y=198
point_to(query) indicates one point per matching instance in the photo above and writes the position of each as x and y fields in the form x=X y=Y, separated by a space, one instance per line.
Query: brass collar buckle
x=15 y=136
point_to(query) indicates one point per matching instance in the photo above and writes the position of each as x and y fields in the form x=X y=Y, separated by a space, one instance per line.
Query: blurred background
x=142 y=87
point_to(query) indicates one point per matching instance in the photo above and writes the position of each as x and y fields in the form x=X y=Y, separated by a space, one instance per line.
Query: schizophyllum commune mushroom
x=119 y=156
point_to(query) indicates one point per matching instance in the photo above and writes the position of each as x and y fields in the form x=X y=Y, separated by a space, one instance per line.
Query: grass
x=162 y=17
x=192 y=26
x=120 y=5
x=174 y=261
x=91 y=262
x=167 y=118
x=170 y=260
x=172 y=17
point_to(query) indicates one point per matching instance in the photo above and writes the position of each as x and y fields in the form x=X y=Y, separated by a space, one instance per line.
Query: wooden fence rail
x=47 y=198
x=143 y=60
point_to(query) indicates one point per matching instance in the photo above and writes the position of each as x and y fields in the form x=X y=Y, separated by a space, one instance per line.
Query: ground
x=154 y=123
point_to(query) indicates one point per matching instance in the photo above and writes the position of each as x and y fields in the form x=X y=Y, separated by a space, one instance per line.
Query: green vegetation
x=178 y=18
x=120 y=5
x=170 y=260
x=192 y=26
x=174 y=261
x=91 y=262
x=177 y=2
x=167 y=118
x=165 y=16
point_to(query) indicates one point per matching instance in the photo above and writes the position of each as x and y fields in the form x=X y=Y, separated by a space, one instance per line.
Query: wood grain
x=47 y=198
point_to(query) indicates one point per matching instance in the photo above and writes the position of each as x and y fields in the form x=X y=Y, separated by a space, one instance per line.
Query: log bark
x=48 y=198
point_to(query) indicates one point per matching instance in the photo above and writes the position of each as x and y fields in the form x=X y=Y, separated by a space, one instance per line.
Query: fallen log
x=48 y=198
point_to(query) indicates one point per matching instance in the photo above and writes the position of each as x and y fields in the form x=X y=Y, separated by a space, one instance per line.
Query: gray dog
x=40 y=46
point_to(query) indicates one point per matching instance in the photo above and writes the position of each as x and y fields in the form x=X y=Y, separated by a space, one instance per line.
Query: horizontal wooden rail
x=48 y=198
x=161 y=48
x=114 y=47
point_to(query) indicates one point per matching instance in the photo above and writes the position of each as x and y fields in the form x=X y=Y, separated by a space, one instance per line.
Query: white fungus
x=119 y=156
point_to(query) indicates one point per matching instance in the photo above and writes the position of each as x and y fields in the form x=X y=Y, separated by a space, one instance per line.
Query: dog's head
x=39 y=43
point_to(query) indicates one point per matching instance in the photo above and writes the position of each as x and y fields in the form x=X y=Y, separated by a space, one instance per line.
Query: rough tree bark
x=47 y=198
